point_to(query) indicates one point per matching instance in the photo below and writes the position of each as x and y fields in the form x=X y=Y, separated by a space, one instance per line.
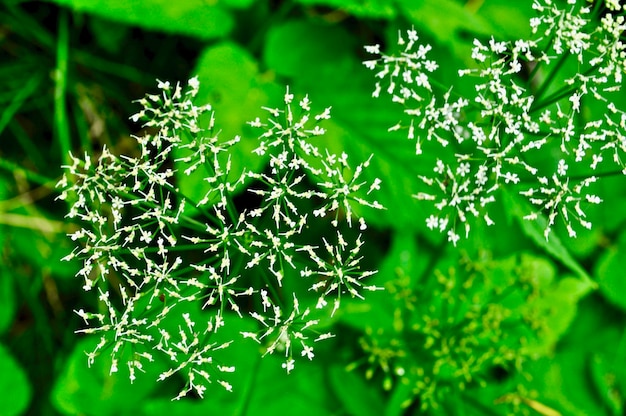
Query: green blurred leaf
x=15 y=387
x=610 y=272
x=298 y=48
x=231 y=83
x=196 y=18
x=111 y=36
x=565 y=381
x=359 y=397
x=511 y=19
x=93 y=391
x=558 y=304
x=304 y=392
x=562 y=385
x=382 y=9
x=446 y=20
x=604 y=378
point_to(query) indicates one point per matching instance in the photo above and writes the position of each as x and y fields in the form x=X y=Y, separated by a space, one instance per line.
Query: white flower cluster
x=167 y=256
x=521 y=129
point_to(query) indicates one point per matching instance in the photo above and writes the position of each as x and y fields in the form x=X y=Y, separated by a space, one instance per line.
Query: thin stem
x=18 y=99
x=248 y=390
x=112 y=68
x=60 y=111
x=559 y=95
x=34 y=177
x=598 y=175
x=548 y=81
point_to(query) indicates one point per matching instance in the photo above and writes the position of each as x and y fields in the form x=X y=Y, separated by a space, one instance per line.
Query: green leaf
x=298 y=48
x=446 y=20
x=14 y=385
x=196 y=18
x=304 y=392
x=562 y=386
x=558 y=304
x=610 y=272
x=359 y=397
x=230 y=81
x=566 y=378
x=381 y=9
x=93 y=391
x=511 y=19
x=604 y=378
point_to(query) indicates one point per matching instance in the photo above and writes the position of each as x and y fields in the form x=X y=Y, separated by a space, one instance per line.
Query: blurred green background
x=69 y=72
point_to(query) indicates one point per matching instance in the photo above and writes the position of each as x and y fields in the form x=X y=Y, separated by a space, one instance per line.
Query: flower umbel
x=496 y=140
x=172 y=272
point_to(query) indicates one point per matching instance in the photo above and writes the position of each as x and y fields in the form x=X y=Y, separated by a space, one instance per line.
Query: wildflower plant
x=170 y=272
x=461 y=333
x=541 y=122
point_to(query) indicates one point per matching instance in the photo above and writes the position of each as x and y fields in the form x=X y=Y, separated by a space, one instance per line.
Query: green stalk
x=18 y=100
x=248 y=390
x=546 y=83
x=60 y=112
x=31 y=176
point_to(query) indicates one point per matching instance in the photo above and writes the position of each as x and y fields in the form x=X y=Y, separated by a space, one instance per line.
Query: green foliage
x=611 y=269
x=193 y=18
x=14 y=383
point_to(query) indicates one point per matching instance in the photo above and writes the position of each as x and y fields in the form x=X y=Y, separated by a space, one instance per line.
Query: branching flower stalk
x=451 y=330
x=534 y=134
x=170 y=272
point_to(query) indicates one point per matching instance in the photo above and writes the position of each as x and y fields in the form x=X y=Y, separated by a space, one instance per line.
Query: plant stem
x=34 y=177
x=546 y=83
x=60 y=77
x=242 y=409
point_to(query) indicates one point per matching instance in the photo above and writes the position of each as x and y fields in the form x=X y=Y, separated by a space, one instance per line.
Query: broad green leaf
x=511 y=19
x=237 y=4
x=14 y=385
x=603 y=373
x=382 y=9
x=230 y=81
x=304 y=392
x=358 y=396
x=196 y=18
x=7 y=299
x=448 y=21
x=566 y=379
x=611 y=214
x=562 y=386
x=558 y=304
x=299 y=49
x=610 y=272
x=93 y=391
